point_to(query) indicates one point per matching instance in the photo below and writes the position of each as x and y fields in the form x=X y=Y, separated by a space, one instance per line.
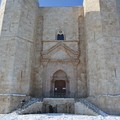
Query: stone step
x=62 y=105
x=30 y=106
x=35 y=105
x=93 y=107
x=30 y=102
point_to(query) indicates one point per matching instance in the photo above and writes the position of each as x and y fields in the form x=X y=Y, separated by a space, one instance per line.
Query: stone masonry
x=83 y=63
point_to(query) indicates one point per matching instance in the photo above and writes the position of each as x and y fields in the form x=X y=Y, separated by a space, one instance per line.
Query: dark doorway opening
x=51 y=109
x=59 y=85
x=60 y=88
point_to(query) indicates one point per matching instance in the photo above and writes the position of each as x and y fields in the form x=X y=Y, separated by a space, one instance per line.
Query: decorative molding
x=60 y=46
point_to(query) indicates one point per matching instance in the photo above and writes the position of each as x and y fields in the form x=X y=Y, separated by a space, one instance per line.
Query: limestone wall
x=36 y=85
x=2 y=9
x=16 y=46
x=95 y=49
x=25 y=46
x=103 y=46
x=111 y=34
x=102 y=35
x=8 y=45
x=63 y=18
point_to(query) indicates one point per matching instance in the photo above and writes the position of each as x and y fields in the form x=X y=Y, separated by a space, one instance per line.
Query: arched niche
x=60 y=84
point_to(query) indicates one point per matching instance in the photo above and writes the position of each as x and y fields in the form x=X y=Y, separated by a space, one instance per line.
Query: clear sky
x=61 y=2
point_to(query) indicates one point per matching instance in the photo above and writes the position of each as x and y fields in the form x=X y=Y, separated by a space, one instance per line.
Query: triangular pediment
x=60 y=52
x=60 y=55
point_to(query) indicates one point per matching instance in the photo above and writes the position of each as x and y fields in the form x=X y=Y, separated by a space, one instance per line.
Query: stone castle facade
x=71 y=52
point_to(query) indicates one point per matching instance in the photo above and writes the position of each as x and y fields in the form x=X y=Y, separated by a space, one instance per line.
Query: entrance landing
x=58 y=105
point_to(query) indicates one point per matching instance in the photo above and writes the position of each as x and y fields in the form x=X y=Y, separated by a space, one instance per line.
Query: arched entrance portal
x=60 y=84
x=60 y=88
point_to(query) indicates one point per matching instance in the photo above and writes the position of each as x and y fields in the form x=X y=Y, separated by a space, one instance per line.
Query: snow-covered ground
x=55 y=117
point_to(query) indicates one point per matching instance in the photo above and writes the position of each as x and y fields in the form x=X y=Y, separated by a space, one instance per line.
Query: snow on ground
x=55 y=117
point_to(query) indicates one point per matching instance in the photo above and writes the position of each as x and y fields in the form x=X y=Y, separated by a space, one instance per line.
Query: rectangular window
x=60 y=37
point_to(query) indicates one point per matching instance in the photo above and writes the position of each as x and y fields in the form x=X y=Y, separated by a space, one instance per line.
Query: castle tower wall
x=16 y=50
x=95 y=52
x=103 y=56
x=2 y=10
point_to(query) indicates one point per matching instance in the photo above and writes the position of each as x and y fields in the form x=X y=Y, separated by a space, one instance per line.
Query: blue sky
x=61 y=2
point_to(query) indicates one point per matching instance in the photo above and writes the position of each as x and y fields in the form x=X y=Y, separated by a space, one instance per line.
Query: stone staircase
x=80 y=106
x=30 y=102
x=32 y=106
x=91 y=108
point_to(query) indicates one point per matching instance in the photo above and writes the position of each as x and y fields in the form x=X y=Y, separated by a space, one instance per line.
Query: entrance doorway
x=60 y=88
x=59 y=85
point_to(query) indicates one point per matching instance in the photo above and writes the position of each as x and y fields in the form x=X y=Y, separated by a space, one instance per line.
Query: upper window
x=60 y=35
